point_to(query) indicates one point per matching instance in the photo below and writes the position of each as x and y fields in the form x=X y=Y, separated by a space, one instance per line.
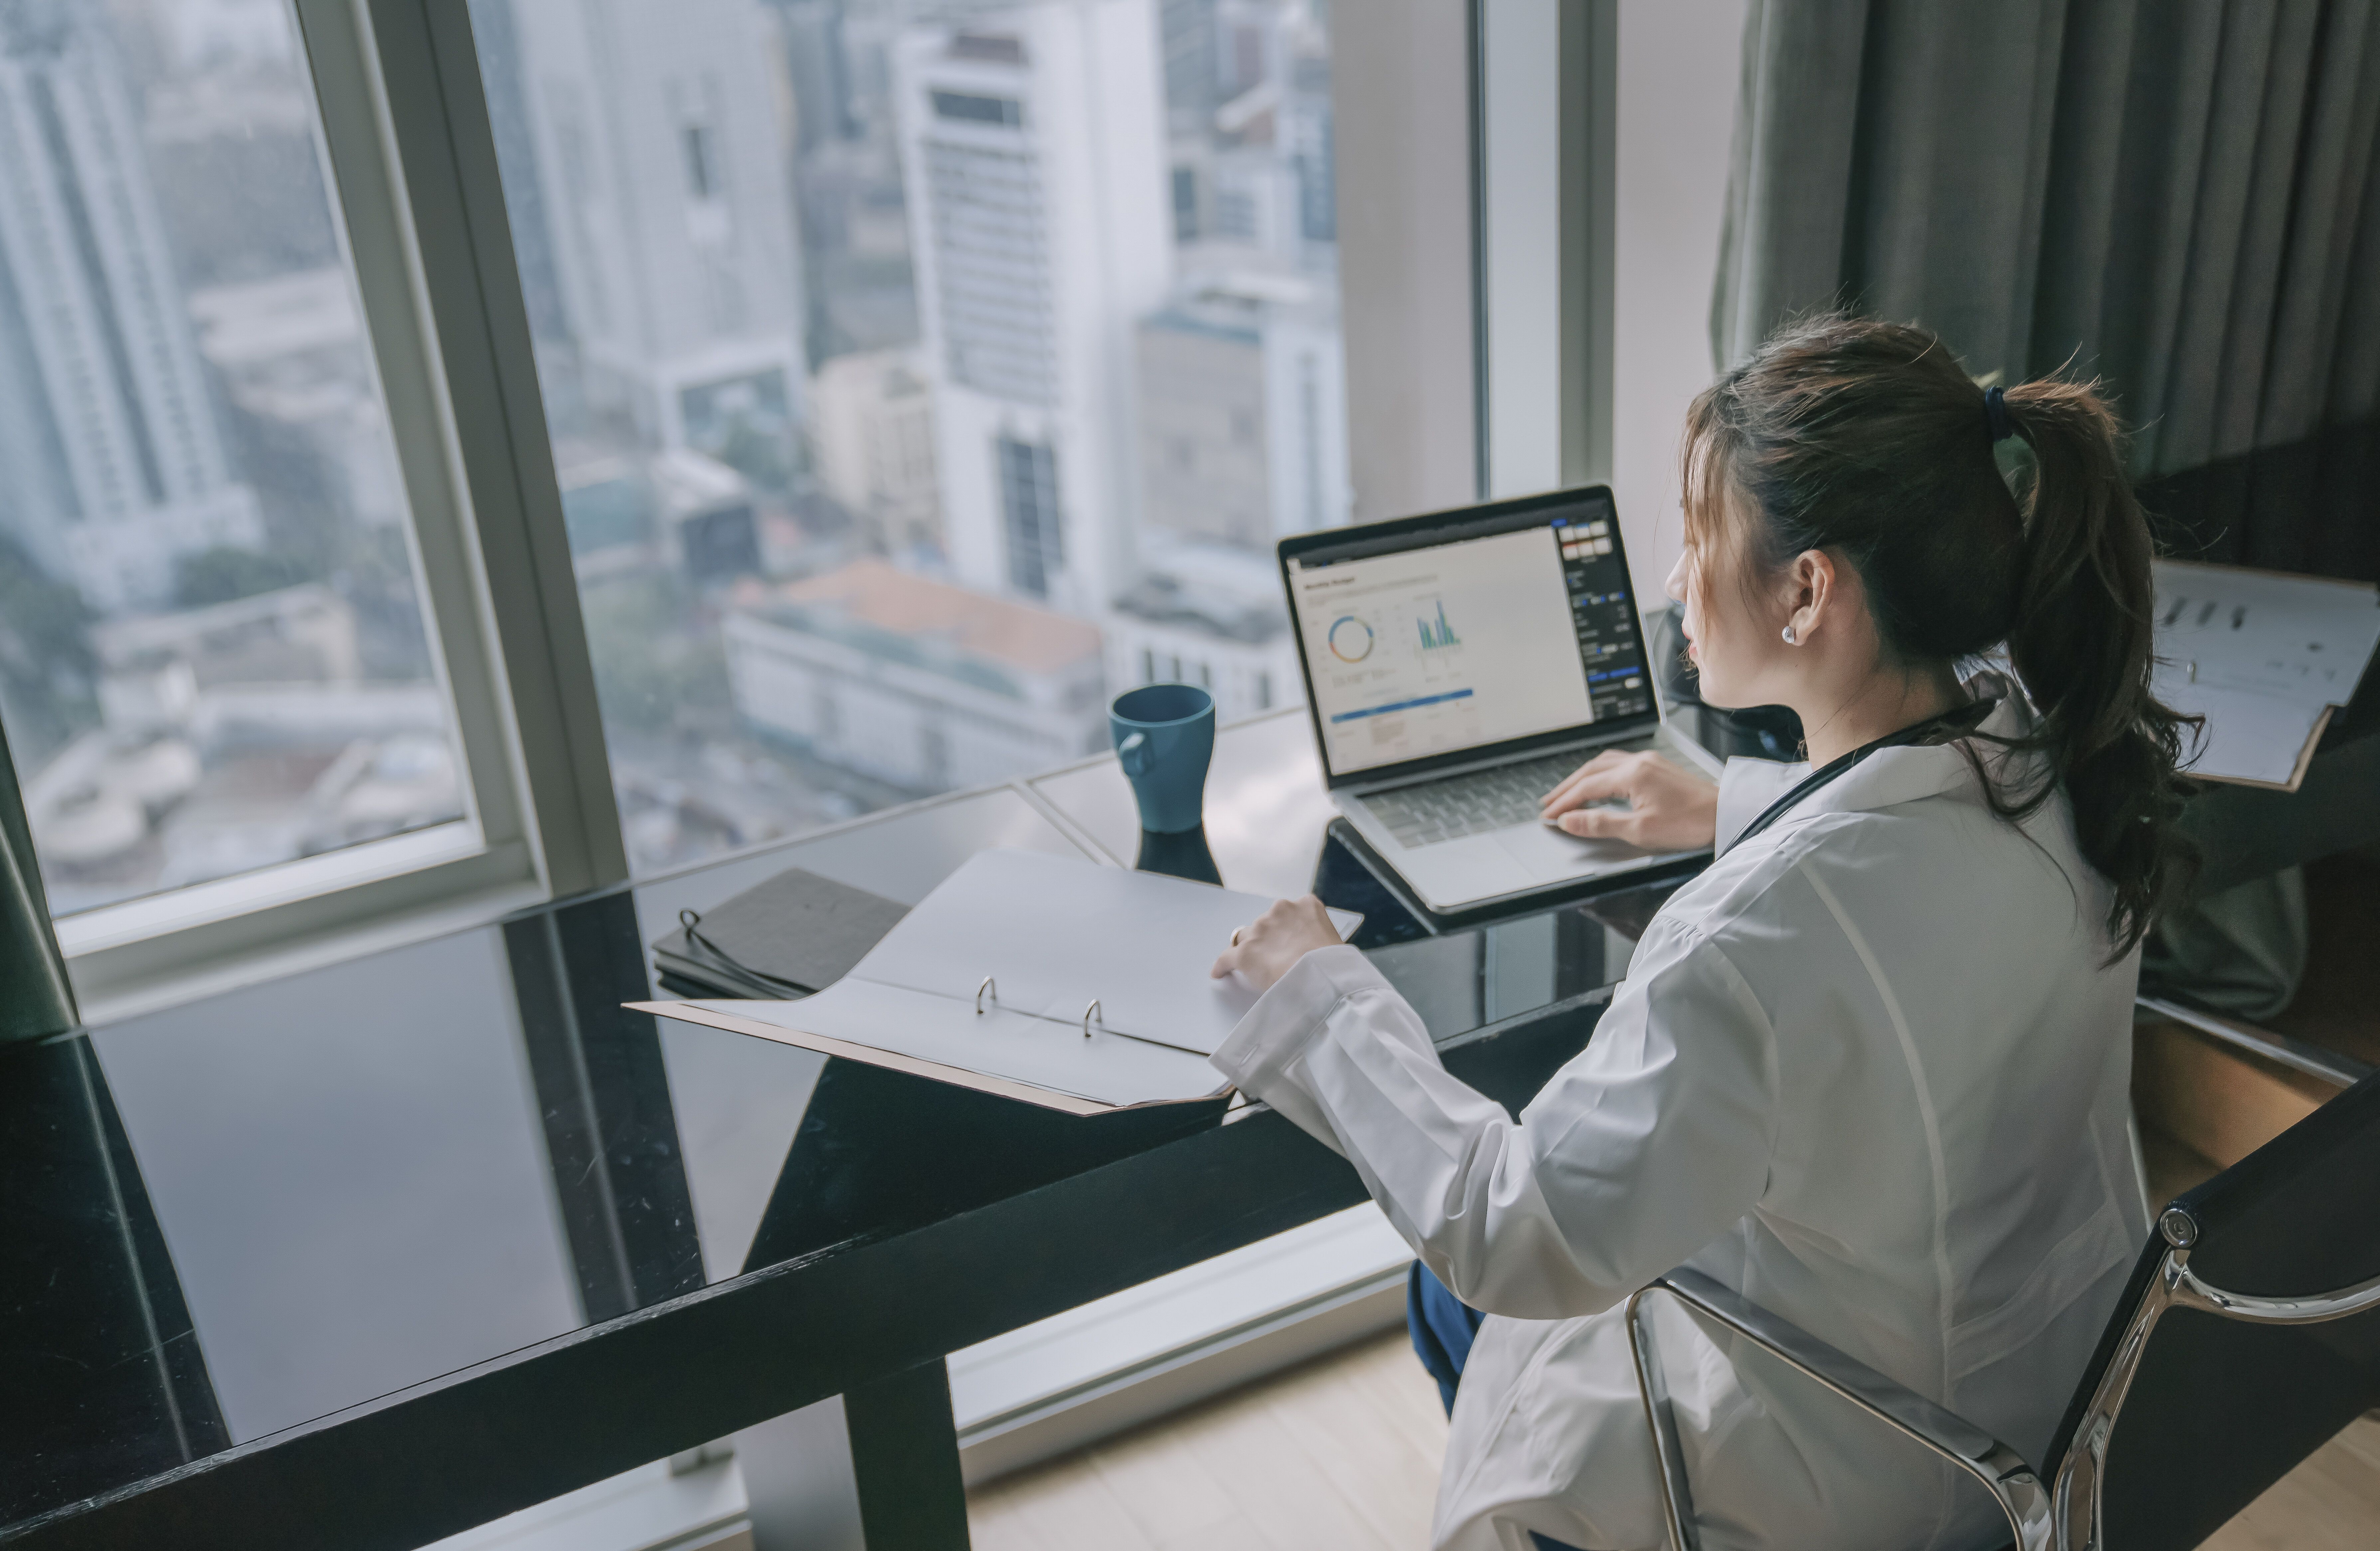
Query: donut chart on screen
x=1351 y=640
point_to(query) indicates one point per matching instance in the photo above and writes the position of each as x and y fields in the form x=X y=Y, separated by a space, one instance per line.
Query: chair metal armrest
x=2082 y=1475
x=2178 y=1285
x=1998 y=1468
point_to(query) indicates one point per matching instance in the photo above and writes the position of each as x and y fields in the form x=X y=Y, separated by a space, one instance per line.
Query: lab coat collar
x=1885 y=779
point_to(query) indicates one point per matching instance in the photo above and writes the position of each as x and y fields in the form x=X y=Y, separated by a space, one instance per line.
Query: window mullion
x=434 y=113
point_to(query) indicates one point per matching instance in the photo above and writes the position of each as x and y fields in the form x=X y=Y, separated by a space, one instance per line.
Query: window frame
x=1545 y=87
x=1409 y=148
x=1505 y=113
x=409 y=164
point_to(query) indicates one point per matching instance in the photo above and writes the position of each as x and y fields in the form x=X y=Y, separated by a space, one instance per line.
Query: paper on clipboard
x=2264 y=657
x=1053 y=935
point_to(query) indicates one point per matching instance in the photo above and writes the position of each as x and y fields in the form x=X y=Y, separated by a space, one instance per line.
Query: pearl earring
x=1788 y=636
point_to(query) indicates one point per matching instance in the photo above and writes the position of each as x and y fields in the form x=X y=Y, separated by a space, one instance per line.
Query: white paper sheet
x=2249 y=738
x=2260 y=656
x=1055 y=934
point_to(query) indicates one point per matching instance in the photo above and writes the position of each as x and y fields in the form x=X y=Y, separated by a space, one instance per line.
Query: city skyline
x=117 y=462
x=1011 y=225
x=214 y=654
x=1033 y=300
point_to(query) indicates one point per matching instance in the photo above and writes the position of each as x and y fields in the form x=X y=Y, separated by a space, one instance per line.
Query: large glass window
x=212 y=657
x=918 y=374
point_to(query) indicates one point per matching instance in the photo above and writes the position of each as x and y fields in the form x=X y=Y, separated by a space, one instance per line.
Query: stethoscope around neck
x=1956 y=722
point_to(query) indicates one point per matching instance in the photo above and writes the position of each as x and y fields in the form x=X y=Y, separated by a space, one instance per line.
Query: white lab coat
x=1867 y=1068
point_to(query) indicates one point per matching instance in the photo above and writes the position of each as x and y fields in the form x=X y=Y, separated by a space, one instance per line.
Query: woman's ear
x=1809 y=593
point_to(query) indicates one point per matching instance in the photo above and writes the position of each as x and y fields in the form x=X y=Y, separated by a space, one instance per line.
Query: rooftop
x=900 y=614
x=1228 y=592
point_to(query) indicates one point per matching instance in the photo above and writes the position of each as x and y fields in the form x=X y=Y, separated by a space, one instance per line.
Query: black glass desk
x=369 y=1255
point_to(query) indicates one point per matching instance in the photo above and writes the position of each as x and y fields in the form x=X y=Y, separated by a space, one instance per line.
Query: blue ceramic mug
x=1164 y=736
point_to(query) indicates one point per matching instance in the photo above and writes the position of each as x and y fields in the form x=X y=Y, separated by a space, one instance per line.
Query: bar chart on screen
x=1439 y=638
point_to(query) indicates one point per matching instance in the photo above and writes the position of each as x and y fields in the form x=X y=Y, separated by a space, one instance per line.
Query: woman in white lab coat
x=1871 y=1067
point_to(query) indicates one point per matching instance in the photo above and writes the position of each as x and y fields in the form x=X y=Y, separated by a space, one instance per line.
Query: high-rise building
x=1243 y=412
x=663 y=210
x=817 y=65
x=872 y=425
x=1033 y=150
x=1252 y=166
x=1189 y=38
x=290 y=352
x=115 y=468
x=1243 y=438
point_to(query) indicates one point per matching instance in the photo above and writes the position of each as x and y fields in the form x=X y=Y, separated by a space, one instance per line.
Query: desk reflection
x=252 y=1212
x=348 y=1172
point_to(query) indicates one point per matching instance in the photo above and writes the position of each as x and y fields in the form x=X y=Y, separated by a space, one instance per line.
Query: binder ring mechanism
x=992 y=990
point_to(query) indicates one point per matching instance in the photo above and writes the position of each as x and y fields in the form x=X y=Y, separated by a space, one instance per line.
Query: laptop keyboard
x=1475 y=801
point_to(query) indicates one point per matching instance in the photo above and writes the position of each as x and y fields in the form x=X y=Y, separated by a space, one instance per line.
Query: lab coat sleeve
x=1644 y=1147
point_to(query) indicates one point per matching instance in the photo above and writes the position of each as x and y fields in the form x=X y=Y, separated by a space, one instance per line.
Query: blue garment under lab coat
x=1442 y=1326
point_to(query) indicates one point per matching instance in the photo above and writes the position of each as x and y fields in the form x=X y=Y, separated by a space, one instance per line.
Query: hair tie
x=1996 y=416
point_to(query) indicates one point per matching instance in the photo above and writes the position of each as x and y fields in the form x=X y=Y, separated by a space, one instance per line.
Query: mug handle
x=1133 y=754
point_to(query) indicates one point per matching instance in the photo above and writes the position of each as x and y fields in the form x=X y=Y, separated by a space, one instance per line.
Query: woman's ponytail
x=2084 y=643
x=1868 y=439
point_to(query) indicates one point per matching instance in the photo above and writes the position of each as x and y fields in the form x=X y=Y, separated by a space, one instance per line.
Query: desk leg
x=904 y=1459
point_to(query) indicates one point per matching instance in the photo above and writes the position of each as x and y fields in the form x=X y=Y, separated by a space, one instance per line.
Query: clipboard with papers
x=1060 y=982
x=2265 y=657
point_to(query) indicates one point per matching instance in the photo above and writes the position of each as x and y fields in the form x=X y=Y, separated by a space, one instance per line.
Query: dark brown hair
x=1869 y=440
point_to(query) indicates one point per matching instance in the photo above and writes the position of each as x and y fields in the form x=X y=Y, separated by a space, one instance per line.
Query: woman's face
x=1732 y=648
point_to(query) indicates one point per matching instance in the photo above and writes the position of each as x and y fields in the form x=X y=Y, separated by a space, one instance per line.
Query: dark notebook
x=796 y=933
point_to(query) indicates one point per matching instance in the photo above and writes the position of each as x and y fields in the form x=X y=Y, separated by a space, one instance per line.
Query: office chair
x=2248 y=1334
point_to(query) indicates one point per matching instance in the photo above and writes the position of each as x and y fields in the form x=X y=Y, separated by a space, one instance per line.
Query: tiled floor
x=1341 y=1455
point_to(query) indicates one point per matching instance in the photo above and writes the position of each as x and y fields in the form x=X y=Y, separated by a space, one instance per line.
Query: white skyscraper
x=669 y=224
x=114 y=468
x=1033 y=150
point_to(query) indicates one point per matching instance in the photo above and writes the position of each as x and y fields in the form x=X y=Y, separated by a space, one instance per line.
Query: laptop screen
x=1432 y=637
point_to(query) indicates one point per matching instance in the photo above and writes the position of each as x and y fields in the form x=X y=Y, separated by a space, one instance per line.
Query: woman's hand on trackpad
x=1668 y=807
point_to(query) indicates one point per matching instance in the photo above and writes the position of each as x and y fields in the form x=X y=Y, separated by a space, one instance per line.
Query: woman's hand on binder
x=1261 y=953
x=1640 y=799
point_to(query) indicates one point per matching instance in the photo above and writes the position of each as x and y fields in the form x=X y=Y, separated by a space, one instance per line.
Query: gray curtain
x=2181 y=195
x=35 y=1000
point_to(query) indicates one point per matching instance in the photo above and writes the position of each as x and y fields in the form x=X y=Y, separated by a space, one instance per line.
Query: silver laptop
x=1457 y=666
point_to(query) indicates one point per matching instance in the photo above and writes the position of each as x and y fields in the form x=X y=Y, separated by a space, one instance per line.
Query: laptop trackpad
x=1548 y=853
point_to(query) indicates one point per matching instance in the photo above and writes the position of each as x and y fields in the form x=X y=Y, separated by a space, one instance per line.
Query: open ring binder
x=1053 y=927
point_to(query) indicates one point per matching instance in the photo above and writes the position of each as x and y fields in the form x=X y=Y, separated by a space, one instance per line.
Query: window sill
x=135 y=975
x=177 y=910
x=1111 y=1364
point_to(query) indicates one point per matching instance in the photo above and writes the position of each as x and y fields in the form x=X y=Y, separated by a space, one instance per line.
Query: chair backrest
x=2219 y=1409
